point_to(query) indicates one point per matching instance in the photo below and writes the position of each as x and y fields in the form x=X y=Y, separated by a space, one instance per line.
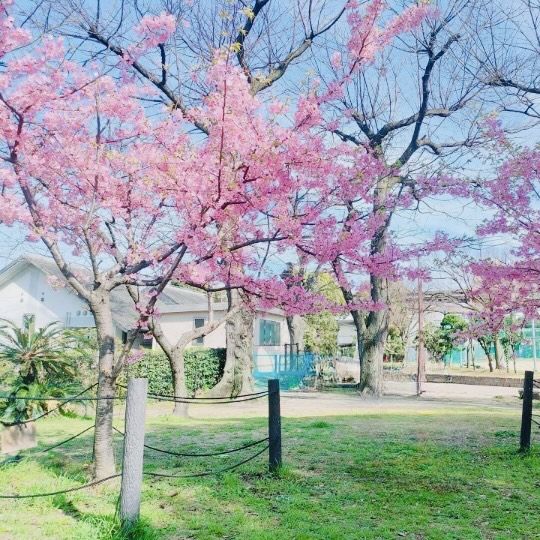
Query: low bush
x=204 y=368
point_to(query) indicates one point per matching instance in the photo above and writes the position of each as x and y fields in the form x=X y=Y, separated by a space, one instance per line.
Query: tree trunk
x=296 y=327
x=499 y=354
x=371 y=380
x=375 y=334
x=179 y=381
x=490 y=361
x=237 y=374
x=104 y=464
x=359 y=327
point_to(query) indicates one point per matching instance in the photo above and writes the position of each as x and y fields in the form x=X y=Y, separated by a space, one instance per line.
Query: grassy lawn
x=448 y=474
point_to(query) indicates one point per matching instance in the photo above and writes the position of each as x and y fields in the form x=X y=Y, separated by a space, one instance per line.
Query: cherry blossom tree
x=511 y=199
x=88 y=172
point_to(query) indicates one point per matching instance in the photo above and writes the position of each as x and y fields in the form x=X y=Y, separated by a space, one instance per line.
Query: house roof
x=174 y=299
x=124 y=314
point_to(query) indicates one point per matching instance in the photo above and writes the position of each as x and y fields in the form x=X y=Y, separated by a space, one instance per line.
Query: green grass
x=447 y=474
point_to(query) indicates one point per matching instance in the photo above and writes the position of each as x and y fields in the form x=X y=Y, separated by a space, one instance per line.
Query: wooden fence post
x=132 y=467
x=274 y=425
x=526 y=412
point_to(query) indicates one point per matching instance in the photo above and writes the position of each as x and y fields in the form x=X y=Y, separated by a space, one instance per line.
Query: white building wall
x=176 y=324
x=346 y=332
x=29 y=292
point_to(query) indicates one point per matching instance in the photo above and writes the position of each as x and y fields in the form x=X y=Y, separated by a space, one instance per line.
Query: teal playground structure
x=291 y=369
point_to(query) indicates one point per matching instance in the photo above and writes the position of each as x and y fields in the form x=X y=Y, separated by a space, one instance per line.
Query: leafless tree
x=508 y=54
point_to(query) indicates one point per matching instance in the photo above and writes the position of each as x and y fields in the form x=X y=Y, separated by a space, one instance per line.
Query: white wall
x=346 y=332
x=30 y=292
x=175 y=324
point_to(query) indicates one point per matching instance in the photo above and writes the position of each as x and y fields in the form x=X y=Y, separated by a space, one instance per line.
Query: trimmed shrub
x=204 y=368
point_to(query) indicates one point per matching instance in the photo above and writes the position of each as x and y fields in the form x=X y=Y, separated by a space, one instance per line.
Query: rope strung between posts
x=209 y=473
x=188 y=400
x=67 y=400
x=53 y=493
x=209 y=454
x=211 y=400
x=64 y=400
x=67 y=440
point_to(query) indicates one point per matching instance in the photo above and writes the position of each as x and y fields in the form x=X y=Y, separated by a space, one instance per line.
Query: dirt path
x=399 y=398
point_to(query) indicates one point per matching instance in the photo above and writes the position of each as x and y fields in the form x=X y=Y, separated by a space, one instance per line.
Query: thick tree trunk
x=499 y=354
x=490 y=361
x=375 y=334
x=371 y=381
x=179 y=381
x=104 y=464
x=296 y=327
x=237 y=374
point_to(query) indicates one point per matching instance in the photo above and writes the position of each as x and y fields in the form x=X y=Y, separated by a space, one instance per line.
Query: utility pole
x=421 y=359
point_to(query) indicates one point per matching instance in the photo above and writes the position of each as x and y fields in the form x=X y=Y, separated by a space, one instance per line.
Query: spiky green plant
x=37 y=355
x=39 y=368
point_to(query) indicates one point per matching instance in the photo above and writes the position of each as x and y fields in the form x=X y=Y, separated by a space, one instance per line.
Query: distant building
x=32 y=287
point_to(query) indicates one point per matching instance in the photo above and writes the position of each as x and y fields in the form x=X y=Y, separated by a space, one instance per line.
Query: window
x=198 y=323
x=269 y=333
x=147 y=341
x=29 y=321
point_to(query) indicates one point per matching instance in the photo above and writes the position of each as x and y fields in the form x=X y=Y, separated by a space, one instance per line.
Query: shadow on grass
x=376 y=476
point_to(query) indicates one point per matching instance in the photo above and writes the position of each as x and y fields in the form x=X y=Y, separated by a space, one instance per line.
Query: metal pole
x=534 y=343
x=526 y=413
x=421 y=368
x=132 y=467
x=274 y=426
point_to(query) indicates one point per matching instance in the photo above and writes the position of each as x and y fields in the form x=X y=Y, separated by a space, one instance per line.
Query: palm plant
x=40 y=368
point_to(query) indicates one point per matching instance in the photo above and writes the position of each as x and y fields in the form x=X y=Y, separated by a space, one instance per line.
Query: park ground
x=444 y=466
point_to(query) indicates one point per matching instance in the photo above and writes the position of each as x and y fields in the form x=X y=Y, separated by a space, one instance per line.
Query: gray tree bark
x=237 y=375
x=175 y=353
x=176 y=362
x=132 y=465
x=499 y=354
x=104 y=463
x=374 y=339
x=296 y=328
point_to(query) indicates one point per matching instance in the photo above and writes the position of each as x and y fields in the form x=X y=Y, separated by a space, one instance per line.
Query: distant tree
x=434 y=342
x=321 y=333
x=322 y=328
x=395 y=344
x=440 y=341
x=511 y=338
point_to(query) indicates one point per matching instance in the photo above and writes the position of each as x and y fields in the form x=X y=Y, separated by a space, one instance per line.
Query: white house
x=33 y=287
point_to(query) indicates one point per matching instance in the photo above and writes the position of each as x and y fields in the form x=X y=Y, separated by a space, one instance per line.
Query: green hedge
x=204 y=368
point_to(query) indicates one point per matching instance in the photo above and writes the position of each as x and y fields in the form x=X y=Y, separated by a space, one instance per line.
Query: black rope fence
x=273 y=440
x=208 y=473
x=61 y=492
x=194 y=401
x=48 y=449
x=262 y=393
x=205 y=400
x=202 y=454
